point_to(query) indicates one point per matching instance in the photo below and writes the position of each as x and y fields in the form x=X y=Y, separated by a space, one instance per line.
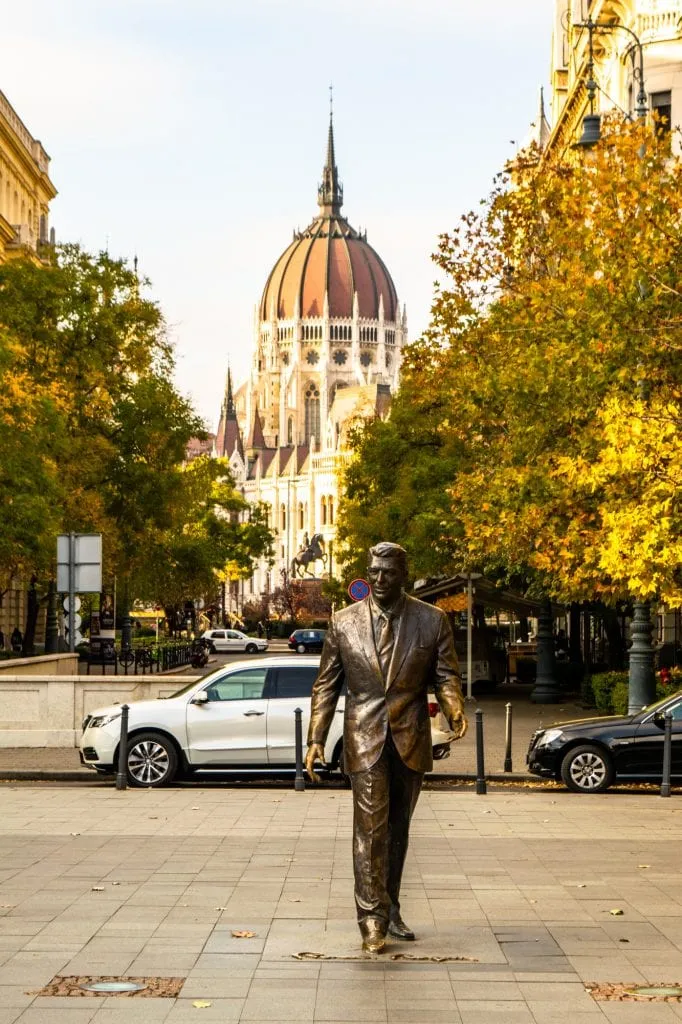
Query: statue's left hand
x=458 y=724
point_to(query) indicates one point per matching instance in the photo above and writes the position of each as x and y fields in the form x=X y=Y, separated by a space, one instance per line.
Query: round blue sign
x=358 y=589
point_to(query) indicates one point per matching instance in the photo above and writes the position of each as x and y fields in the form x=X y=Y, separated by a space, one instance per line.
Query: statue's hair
x=385 y=549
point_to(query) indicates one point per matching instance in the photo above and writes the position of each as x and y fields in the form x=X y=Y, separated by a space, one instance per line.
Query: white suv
x=239 y=717
x=233 y=640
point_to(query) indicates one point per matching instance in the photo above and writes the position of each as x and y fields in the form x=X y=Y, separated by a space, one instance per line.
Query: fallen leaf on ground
x=243 y=935
x=97 y=888
x=581 y=885
x=201 y=1003
x=617 y=912
x=220 y=908
x=644 y=865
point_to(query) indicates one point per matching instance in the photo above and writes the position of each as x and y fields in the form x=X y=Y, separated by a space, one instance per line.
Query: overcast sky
x=193 y=132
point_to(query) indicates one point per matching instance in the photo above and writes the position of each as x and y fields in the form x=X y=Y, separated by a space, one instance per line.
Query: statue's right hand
x=315 y=753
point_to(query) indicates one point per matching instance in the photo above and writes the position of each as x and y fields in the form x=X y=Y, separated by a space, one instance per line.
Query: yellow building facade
x=658 y=26
x=25 y=187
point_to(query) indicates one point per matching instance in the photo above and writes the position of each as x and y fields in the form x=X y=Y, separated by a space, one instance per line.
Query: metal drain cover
x=113 y=986
x=655 y=990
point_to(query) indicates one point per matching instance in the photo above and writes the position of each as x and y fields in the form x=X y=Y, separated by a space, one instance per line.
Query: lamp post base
x=546 y=689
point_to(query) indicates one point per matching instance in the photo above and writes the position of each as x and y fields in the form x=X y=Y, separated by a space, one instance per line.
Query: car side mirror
x=200 y=698
x=659 y=719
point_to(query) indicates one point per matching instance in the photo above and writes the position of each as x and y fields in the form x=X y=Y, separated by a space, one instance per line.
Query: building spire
x=330 y=192
x=229 y=399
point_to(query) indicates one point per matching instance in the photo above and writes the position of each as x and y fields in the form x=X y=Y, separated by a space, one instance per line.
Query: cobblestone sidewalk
x=513 y=897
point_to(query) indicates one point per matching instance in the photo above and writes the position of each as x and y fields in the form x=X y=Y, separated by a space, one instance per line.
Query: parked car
x=591 y=754
x=233 y=640
x=239 y=717
x=305 y=641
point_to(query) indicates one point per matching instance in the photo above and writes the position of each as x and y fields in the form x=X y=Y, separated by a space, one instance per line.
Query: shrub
x=602 y=685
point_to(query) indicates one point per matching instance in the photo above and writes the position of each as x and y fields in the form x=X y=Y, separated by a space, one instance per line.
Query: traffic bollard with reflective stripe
x=122 y=773
x=481 y=787
x=508 y=739
x=667 y=752
x=299 y=781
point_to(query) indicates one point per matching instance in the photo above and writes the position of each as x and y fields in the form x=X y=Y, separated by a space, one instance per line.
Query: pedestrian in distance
x=390 y=651
x=16 y=640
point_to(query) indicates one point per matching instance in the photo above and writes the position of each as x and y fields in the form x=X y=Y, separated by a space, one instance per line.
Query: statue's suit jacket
x=423 y=660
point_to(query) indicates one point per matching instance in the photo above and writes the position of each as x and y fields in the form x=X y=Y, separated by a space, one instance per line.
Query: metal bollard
x=122 y=773
x=299 y=781
x=508 y=739
x=667 y=752
x=481 y=787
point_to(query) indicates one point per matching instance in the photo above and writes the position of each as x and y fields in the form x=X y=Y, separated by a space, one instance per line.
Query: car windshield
x=659 y=703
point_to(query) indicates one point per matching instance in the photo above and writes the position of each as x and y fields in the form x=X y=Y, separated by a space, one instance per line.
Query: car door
x=647 y=757
x=235 y=640
x=230 y=728
x=291 y=689
x=218 y=639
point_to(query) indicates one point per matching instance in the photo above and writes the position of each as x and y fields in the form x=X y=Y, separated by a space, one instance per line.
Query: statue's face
x=386 y=579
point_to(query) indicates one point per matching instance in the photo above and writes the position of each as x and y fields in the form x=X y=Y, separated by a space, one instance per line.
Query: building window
x=312 y=357
x=366 y=359
x=290 y=430
x=340 y=357
x=661 y=104
x=330 y=509
x=285 y=359
x=301 y=516
x=323 y=511
x=312 y=413
x=283 y=517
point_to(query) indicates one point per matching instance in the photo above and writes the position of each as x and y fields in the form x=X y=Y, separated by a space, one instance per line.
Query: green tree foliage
x=93 y=434
x=546 y=393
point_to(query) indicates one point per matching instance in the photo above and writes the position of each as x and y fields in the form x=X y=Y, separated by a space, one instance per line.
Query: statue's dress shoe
x=398 y=928
x=373 y=936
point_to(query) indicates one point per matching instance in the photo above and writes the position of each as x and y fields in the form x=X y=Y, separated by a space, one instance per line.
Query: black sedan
x=589 y=755
x=307 y=641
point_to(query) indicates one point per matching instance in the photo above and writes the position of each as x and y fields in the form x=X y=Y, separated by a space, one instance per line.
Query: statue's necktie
x=385 y=644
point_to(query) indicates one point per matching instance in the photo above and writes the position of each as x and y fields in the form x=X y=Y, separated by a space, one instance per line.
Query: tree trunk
x=574 y=651
x=28 y=648
x=616 y=659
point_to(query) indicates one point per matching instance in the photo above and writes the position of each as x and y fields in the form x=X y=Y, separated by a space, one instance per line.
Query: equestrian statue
x=310 y=552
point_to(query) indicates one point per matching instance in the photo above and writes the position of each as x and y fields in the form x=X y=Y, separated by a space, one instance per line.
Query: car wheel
x=342 y=769
x=300 y=648
x=587 y=769
x=251 y=649
x=152 y=760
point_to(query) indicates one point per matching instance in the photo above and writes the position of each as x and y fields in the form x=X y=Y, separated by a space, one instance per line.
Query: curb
x=67 y=775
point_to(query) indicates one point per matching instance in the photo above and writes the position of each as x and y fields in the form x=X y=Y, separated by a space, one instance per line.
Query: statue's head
x=387 y=571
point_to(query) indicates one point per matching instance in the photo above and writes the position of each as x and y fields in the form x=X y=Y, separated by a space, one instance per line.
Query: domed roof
x=329 y=258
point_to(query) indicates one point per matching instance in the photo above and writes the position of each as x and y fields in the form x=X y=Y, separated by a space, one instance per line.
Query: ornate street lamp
x=642 y=680
x=592 y=121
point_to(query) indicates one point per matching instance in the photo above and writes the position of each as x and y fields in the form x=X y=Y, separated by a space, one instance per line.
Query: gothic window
x=312 y=357
x=312 y=413
x=365 y=359
x=330 y=509
x=285 y=359
x=340 y=357
x=388 y=361
x=290 y=430
x=323 y=511
x=283 y=517
x=301 y=515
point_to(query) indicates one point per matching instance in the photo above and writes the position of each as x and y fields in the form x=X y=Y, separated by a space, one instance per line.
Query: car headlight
x=549 y=736
x=100 y=720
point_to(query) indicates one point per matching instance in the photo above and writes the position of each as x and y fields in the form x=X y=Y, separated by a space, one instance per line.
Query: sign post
x=79 y=571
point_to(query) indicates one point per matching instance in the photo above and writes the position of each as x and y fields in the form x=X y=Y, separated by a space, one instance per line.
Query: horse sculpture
x=314 y=552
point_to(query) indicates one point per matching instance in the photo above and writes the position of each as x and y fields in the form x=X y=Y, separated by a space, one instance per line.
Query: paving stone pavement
x=155 y=882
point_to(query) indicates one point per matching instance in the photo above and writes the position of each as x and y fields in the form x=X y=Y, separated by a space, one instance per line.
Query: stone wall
x=48 y=710
x=46 y=664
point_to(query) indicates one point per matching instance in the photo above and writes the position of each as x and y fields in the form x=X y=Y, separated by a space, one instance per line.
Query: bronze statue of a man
x=390 y=651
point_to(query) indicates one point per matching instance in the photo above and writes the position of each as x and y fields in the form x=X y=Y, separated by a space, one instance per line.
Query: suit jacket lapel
x=407 y=636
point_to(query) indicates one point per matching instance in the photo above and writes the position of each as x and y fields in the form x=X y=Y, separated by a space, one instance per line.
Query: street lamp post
x=642 y=679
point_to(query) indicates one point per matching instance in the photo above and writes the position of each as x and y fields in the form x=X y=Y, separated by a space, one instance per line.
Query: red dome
x=329 y=258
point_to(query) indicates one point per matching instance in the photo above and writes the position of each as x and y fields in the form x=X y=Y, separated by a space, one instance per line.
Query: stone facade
x=328 y=337
x=25 y=187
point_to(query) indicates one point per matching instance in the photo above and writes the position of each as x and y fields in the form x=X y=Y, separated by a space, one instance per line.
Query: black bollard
x=508 y=739
x=299 y=781
x=481 y=787
x=667 y=752
x=122 y=773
